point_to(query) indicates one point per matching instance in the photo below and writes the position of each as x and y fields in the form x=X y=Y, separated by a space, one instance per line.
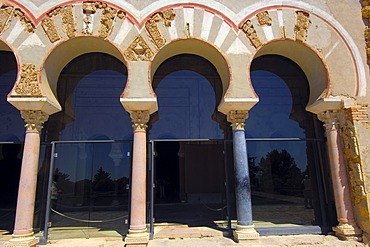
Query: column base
x=137 y=238
x=347 y=231
x=243 y=233
x=28 y=240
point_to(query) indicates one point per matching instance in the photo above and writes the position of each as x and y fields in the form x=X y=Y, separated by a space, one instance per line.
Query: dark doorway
x=189 y=184
x=167 y=172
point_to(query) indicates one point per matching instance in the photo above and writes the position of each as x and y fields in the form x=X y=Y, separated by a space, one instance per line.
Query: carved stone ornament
x=264 y=19
x=302 y=24
x=251 y=33
x=68 y=20
x=34 y=119
x=152 y=26
x=330 y=119
x=29 y=26
x=69 y=25
x=50 y=29
x=89 y=9
x=28 y=84
x=106 y=21
x=352 y=154
x=5 y=15
x=139 y=118
x=350 y=144
x=237 y=119
x=366 y=12
x=366 y=15
x=139 y=51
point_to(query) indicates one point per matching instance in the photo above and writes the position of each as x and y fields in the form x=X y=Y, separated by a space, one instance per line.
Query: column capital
x=34 y=120
x=139 y=118
x=329 y=118
x=237 y=119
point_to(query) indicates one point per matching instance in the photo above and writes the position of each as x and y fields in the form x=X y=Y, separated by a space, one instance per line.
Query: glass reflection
x=91 y=185
x=282 y=189
x=272 y=113
x=12 y=125
x=283 y=151
x=186 y=105
x=96 y=110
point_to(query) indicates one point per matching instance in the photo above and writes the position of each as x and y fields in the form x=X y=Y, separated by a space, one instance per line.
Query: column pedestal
x=137 y=235
x=243 y=233
x=27 y=240
x=347 y=232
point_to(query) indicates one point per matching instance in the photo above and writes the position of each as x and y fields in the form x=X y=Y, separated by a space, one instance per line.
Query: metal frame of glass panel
x=54 y=155
x=306 y=229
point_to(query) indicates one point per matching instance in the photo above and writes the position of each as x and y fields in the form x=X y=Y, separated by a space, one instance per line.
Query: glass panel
x=42 y=186
x=89 y=90
x=91 y=187
x=186 y=108
x=97 y=109
x=284 y=183
x=12 y=125
x=271 y=116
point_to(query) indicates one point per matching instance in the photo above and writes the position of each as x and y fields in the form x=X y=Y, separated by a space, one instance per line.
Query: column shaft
x=244 y=228
x=138 y=182
x=23 y=228
x=137 y=233
x=27 y=185
x=347 y=227
x=242 y=180
x=339 y=176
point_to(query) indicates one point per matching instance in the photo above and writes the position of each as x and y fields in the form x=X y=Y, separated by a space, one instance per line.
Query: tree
x=102 y=181
x=280 y=173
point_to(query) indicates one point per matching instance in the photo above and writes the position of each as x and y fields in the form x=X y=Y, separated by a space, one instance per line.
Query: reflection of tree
x=63 y=182
x=281 y=174
x=61 y=175
x=122 y=184
x=102 y=181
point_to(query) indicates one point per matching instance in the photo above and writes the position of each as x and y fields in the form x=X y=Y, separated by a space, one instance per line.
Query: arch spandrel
x=216 y=24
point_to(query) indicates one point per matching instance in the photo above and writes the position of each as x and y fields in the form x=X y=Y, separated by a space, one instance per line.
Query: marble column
x=23 y=229
x=244 y=228
x=137 y=234
x=347 y=227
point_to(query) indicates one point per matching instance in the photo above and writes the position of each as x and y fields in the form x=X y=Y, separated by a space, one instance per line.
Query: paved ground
x=272 y=241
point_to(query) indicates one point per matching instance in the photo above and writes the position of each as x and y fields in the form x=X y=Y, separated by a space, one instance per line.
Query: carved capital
x=251 y=33
x=139 y=118
x=330 y=120
x=264 y=18
x=139 y=51
x=28 y=84
x=34 y=120
x=301 y=27
x=237 y=119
